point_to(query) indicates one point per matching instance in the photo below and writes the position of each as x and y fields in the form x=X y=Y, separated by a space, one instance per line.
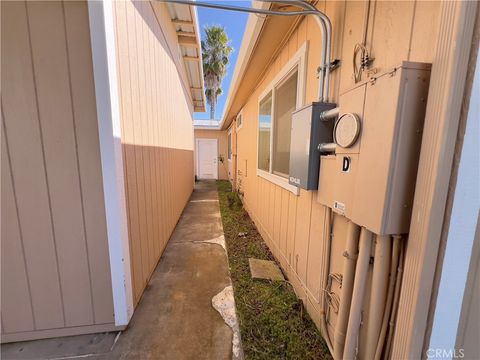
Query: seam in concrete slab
x=224 y=303
x=220 y=240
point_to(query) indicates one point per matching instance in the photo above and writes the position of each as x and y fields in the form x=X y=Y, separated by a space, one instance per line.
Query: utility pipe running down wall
x=378 y=293
x=391 y=290
x=324 y=277
x=365 y=247
x=396 y=299
x=349 y=262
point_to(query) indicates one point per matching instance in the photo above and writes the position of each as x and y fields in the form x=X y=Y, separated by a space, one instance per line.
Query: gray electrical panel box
x=307 y=132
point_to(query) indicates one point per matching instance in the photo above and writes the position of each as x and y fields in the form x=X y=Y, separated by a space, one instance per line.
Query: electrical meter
x=346 y=130
x=371 y=178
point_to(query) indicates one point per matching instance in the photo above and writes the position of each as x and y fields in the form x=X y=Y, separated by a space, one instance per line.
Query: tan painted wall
x=221 y=136
x=157 y=131
x=55 y=265
x=293 y=226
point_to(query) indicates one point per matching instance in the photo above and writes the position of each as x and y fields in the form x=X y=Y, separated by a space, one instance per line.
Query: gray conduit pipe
x=391 y=288
x=365 y=247
x=349 y=262
x=378 y=292
x=322 y=20
x=324 y=279
x=325 y=24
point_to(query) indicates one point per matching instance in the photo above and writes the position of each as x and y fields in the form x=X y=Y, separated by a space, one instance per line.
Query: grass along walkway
x=273 y=321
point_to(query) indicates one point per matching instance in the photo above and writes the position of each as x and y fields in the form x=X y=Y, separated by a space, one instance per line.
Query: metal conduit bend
x=308 y=9
x=326 y=28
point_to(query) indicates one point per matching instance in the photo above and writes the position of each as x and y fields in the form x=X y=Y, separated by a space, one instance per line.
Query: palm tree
x=215 y=51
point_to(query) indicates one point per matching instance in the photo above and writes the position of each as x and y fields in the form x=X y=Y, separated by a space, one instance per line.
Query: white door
x=207 y=154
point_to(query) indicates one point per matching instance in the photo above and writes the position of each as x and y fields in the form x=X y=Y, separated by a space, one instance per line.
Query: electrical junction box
x=372 y=182
x=308 y=131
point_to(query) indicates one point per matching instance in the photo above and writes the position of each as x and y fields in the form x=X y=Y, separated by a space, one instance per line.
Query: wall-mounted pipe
x=327 y=148
x=324 y=277
x=381 y=266
x=308 y=9
x=391 y=289
x=348 y=273
x=396 y=298
x=331 y=114
x=365 y=247
x=326 y=65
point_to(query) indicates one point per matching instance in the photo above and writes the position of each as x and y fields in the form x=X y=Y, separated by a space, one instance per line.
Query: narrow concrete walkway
x=175 y=318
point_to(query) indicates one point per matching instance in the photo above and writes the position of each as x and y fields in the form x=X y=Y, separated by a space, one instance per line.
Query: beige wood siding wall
x=221 y=136
x=55 y=264
x=157 y=131
x=293 y=226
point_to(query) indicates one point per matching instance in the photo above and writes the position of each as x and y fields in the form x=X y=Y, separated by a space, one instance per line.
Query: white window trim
x=278 y=180
x=299 y=61
x=240 y=114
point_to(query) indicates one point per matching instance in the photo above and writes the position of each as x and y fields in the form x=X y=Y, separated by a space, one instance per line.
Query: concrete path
x=175 y=318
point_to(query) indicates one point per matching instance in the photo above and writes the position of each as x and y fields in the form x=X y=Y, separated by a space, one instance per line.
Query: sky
x=234 y=24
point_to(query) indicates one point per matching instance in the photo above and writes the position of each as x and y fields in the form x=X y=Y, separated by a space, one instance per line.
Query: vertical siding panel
x=159 y=148
x=147 y=134
x=136 y=124
x=315 y=249
x=153 y=133
x=156 y=126
x=277 y=216
x=271 y=208
x=336 y=12
x=302 y=33
x=393 y=20
x=158 y=200
x=128 y=141
x=424 y=31
x=84 y=103
x=142 y=144
x=292 y=216
x=284 y=223
x=23 y=133
x=352 y=34
x=56 y=119
x=302 y=233
x=17 y=314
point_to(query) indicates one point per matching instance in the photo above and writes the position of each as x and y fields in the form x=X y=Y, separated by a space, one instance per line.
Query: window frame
x=297 y=63
x=240 y=115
